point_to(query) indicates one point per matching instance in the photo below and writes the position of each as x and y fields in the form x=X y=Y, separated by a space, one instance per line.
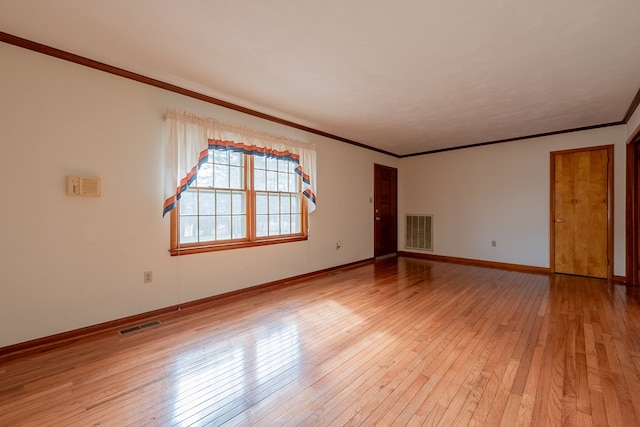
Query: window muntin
x=239 y=199
x=213 y=208
x=208 y=215
x=277 y=195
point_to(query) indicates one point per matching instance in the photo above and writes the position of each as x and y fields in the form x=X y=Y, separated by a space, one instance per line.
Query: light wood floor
x=399 y=342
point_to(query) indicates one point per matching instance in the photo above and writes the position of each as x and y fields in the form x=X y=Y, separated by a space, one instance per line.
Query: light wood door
x=385 y=190
x=580 y=212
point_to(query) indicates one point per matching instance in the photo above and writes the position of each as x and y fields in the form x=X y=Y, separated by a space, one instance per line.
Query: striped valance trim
x=189 y=139
x=238 y=147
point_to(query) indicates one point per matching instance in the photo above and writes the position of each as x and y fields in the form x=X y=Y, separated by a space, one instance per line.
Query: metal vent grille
x=139 y=327
x=419 y=232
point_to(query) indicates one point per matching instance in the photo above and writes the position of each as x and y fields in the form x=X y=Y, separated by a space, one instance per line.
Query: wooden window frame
x=177 y=249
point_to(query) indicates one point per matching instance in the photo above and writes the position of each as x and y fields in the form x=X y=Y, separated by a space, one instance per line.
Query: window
x=239 y=199
x=229 y=186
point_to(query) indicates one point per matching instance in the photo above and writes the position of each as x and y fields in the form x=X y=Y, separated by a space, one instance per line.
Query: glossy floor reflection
x=225 y=379
x=396 y=342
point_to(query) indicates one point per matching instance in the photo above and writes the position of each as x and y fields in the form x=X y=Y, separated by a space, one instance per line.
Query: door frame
x=552 y=192
x=632 y=215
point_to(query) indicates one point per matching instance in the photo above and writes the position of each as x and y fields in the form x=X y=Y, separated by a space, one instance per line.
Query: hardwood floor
x=397 y=342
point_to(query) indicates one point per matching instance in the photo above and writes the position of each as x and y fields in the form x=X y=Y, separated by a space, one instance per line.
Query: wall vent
x=419 y=232
x=139 y=327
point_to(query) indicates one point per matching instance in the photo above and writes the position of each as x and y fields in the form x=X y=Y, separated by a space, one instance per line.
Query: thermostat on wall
x=83 y=186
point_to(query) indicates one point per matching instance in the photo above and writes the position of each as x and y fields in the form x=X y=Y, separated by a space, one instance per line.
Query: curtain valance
x=189 y=138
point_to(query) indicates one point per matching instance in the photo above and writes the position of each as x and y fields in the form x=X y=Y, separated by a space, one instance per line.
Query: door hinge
x=607 y=262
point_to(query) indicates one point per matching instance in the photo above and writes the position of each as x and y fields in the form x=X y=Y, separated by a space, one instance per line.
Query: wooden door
x=632 y=258
x=635 y=238
x=385 y=208
x=580 y=212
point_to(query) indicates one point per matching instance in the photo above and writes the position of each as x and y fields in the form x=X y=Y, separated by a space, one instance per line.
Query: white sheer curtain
x=188 y=137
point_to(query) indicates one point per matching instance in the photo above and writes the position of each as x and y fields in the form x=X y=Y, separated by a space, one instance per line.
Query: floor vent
x=419 y=232
x=139 y=327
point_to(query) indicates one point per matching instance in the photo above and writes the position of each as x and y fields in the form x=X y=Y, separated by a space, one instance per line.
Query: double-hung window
x=239 y=198
x=228 y=186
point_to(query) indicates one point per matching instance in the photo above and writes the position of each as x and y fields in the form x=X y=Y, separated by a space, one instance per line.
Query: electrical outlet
x=148 y=277
x=493 y=243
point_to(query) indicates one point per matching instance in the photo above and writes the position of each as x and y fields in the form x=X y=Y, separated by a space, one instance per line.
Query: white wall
x=71 y=262
x=500 y=192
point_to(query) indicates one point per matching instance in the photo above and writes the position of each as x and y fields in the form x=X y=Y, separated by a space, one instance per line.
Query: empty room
x=331 y=213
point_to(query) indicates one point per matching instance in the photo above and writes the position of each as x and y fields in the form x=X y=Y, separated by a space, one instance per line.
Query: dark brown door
x=385 y=207
x=632 y=258
x=636 y=238
x=580 y=212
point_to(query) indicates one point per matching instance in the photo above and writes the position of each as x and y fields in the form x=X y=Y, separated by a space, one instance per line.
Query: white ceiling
x=406 y=76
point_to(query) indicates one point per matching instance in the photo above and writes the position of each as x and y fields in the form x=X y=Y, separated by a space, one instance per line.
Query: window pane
x=295 y=224
x=259 y=180
x=223 y=227
x=189 y=202
x=207 y=202
x=274 y=204
x=205 y=176
x=207 y=226
x=235 y=158
x=274 y=225
x=293 y=182
x=259 y=162
x=262 y=204
x=235 y=177
x=238 y=203
x=272 y=181
x=239 y=223
x=272 y=164
x=221 y=176
x=295 y=203
x=223 y=202
x=285 y=203
x=220 y=156
x=283 y=165
x=261 y=225
x=283 y=181
x=188 y=229
x=285 y=224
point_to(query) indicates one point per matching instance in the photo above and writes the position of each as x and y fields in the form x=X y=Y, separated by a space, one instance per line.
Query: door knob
x=377 y=218
x=559 y=220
